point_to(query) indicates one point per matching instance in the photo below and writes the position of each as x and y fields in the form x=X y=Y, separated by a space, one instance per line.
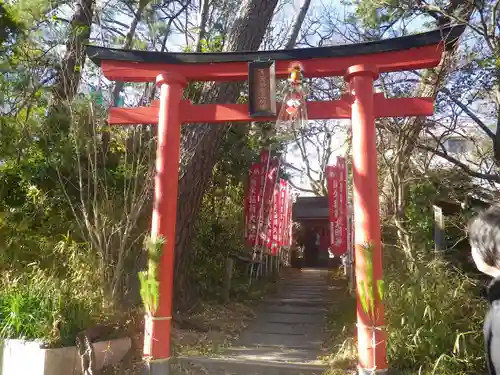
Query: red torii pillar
x=163 y=224
x=360 y=68
x=371 y=331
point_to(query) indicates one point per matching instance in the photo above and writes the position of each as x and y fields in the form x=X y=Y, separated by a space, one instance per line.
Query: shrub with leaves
x=42 y=307
x=434 y=318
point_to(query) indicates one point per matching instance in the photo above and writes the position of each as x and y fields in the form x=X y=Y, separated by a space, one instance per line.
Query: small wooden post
x=439 y=229
x=227 y=279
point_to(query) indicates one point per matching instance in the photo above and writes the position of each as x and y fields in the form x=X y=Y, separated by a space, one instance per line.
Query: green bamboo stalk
x=150 y=286
x=367 y=289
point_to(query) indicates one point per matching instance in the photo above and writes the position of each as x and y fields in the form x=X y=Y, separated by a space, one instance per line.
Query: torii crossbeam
x=359 y=64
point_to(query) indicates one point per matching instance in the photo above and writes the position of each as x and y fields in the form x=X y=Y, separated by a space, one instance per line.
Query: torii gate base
x=360 y=64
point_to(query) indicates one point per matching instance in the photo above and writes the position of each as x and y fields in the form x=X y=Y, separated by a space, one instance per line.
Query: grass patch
x=434 y=318
x=36 y=306
x=433 y=313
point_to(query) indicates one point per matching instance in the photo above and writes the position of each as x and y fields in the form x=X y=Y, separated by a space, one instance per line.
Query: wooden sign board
x=261 y=89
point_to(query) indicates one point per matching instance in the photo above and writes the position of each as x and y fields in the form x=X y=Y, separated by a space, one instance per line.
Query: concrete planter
x=20 y=357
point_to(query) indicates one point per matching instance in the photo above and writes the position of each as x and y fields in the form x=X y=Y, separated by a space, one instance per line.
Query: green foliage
x=376 y=13
x=444 y=185
x=214 y=44
x=150 y=286
x=58 y=212
x=434 y=318
x=52 y=308
x=419 y=211
x=219 y=234
x=219 y=228
x=433 y=312
x=9 y=26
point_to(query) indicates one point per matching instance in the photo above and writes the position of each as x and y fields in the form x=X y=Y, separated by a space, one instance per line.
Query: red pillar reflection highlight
x=158 y=327
x=371 y=331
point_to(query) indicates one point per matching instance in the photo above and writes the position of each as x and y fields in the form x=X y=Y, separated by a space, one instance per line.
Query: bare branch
x=463 y=166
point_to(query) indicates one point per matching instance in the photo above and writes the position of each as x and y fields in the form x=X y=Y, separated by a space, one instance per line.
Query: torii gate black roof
x=449 y=35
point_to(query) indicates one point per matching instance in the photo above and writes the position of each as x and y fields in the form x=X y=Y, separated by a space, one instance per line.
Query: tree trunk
x=297 y=24
x=128 y=43
x=204 y=12
x=496 y=141
x=200 y=143
x=74 y=58
x=69 y=73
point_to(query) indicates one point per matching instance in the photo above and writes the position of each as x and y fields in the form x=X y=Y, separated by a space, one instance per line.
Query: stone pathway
x=286 y=335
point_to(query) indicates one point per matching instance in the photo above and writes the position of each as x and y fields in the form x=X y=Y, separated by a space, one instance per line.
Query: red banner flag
x=289 y=230
x=246 y=209
x=275 y=219
x=253 y=219
x=282 y=211
x=269 y=230
x=286 y=204
x=264 y=157
x=268 y=187
x=265 y=165
x=341 y=225
x=332 y=178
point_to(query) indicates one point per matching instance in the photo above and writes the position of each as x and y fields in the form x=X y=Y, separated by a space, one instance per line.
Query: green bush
x=434 y=317
x=37 y=306
x=54 y=300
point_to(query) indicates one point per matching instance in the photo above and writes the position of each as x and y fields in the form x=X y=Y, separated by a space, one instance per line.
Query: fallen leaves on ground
x=225 y=323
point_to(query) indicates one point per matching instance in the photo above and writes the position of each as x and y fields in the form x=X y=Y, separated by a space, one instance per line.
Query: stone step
x=296 y=301
x=288 y=329
x=252 y=338
x=300 y=296
x=291 y=309
x=290 y=318
x=304 y=288
x=229 y=366
x=274 y=354
x=311 y=291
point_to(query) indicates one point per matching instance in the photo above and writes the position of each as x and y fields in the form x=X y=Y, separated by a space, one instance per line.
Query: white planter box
x=20 y=357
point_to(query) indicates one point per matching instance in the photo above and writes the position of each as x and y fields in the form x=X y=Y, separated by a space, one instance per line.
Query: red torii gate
x=360 y=64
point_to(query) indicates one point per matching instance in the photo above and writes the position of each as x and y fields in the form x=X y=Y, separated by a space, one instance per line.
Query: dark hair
x=484 y=235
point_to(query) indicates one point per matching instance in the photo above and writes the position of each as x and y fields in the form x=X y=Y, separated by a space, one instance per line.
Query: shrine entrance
x=359 y=64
